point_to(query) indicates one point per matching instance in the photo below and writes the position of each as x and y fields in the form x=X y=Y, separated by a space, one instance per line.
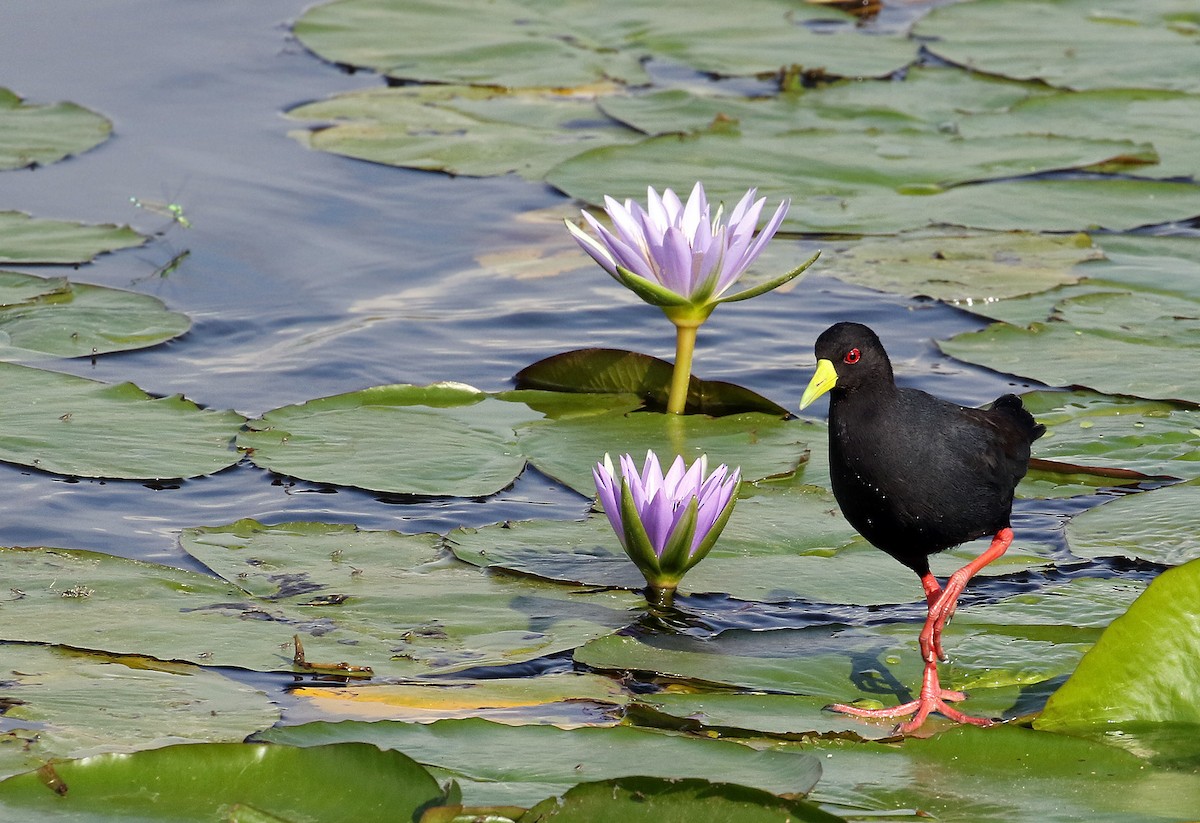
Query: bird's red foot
x=933 y=699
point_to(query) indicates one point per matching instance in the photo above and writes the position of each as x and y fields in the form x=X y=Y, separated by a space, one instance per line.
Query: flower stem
x=685 y=345
x=660 y=597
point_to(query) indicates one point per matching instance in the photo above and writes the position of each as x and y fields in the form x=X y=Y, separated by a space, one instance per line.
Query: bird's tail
x=1010 y=405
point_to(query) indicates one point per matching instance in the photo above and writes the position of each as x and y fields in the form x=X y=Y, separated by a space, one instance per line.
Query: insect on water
x=172 y=210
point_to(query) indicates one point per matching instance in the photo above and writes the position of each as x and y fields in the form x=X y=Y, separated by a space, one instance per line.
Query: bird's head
x=849 y=355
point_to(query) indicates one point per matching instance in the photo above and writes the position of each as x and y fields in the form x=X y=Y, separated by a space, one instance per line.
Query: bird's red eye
x=852 y=356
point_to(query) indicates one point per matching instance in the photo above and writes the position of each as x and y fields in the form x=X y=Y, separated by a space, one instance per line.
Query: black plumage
x=916 y=475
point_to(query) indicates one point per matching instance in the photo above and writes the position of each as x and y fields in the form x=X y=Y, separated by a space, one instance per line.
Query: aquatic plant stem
x=685 y=345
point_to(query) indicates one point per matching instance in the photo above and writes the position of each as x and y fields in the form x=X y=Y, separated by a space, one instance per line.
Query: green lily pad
x=867 y=183
x=390 y=586
x=783 y=544
x=535 y=44
x=843 y=665
x=17 y=288
x=445 y=439
x=1086 y=428
x=25 y=239
x=617 y=371
x=658 y=800
x=371 y=605
x=52 y=700
x=224 y=781
x=967 y=775
x=1144 y=667
x=879 y=666
x=1082 y=603
x=964 y=269
x=37 y=135
x=1158 y=335
x=762 y=445
x=515 y=44
x=1132 y=263
x=70 y=425
x=86 y=320
x=553 y=759
x=1160 y=526
x=1106 y=113
x=460 y=130
x=1073 y=43
x=924 y=98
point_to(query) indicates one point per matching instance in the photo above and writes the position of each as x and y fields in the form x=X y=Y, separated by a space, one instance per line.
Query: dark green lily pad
x=1090 y=429
x=762 y=445
x=212 y=781
x=1144 y=667
x=70 y=425
x=445 y=439
x=1160 y=526
x=86 y=320
x=553 y=759
x=617 y=371
x=25 y=239
x=1073 y=43
x=54 y=695
x=17 y=288
x=964 y=269
x=37 y=135
x=460 y=130
x=364 y=599
x=657 y=800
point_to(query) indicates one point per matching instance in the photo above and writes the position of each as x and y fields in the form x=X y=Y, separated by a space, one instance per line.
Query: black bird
x=916 y=475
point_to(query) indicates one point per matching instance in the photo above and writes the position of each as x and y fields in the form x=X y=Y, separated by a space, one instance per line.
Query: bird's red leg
x=943 y=606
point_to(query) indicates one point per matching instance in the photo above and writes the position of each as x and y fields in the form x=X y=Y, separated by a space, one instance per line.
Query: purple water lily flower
x=683 y=258
x=686 y=249
x=666 y=523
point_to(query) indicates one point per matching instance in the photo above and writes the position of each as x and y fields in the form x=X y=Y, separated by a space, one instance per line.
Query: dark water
x=310 y=275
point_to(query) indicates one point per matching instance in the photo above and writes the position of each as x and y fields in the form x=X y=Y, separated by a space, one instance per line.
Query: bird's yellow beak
x=824 y=380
